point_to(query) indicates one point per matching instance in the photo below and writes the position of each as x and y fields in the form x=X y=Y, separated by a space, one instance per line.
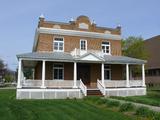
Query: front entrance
x=83 y=73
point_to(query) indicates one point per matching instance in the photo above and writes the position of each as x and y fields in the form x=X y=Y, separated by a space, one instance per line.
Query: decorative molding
x=83 y=26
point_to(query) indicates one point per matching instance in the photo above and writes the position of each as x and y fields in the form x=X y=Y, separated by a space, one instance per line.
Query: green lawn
x=152 y=98
x=12 y=109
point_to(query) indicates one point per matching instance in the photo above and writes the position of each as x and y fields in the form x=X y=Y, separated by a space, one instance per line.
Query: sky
x=19 y=19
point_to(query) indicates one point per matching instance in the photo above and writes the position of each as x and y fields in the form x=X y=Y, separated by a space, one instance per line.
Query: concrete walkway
x=154 y=108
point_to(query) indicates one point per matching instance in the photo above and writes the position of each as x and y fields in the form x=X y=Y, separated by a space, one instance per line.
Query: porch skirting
x=125 y=91
x=48 y=93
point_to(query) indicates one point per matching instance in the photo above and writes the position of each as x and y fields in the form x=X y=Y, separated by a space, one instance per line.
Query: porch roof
x=67 y=57
x=122 y=60
x=59 y=56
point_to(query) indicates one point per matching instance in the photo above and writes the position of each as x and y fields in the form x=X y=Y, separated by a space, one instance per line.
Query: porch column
x=102 y=73
x=19 y=74
x=127 y=75
x=43 y=74
x=143 y=75
x=75 y=75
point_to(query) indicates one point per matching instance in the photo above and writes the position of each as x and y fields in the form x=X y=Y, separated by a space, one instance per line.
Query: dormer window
x=58 y=44
x=83 y=44
x=106 y=47
x=83 y=25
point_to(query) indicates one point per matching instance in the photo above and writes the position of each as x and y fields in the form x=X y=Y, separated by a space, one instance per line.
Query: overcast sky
x=19 y=19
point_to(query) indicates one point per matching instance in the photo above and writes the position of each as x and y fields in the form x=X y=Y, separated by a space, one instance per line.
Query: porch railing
x=83 y=87
x=101 y=87
x=122 y=83
x=31 y=83
x=48 y=83
x=59 y=83
x=135 y=83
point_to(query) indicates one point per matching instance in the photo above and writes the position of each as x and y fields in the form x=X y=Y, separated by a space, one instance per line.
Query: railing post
x=75 y=75
x=43 y=74
x=127 y=75
x=19 y=74
x=143 y=75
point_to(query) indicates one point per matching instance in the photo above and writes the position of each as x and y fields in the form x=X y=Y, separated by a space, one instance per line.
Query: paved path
x=154 y=108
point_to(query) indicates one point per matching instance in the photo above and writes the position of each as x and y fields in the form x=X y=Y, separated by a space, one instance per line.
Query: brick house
x=77 y=59
x=153 y=62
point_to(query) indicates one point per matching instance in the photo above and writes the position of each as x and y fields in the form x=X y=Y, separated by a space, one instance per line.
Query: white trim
x=43 y=73
x=19 y=73
x=114 y=89
x=127 y=75
x=143 y=75
x=57 y=90
x=106 y=45
x=58 y=44
x=102 y=73
x=75 y=75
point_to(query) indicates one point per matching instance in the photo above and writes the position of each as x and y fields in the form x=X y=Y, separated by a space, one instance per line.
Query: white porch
x=74 y=88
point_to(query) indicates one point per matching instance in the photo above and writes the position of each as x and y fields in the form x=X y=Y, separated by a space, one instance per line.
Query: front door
x=83 y=73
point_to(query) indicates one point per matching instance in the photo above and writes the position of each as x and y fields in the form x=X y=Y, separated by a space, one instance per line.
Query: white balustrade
x=83 y=87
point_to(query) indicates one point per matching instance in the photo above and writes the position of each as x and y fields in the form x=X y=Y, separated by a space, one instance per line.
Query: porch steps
x=94 y=92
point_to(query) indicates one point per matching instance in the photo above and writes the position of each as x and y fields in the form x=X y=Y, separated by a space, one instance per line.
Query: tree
x=1 y=64
x=134 y=47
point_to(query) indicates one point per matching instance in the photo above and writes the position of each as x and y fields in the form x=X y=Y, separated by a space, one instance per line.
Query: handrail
x=101 y=87
x=83 y=88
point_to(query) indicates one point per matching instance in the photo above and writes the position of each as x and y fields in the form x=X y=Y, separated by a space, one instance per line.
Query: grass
x=12 y=109
x=152 y=98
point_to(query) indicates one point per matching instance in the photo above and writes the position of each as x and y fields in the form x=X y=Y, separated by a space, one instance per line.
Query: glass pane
x=55 y=73
x=60 y=74
x=106 y=74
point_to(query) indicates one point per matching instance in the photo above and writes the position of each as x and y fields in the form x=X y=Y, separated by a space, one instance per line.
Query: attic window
x=83 y=25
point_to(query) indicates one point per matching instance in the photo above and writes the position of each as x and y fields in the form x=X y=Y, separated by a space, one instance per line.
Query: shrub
x=144 y=112
x=101 y=101
x=92 y=98
x=126 y=107
x=112 y=103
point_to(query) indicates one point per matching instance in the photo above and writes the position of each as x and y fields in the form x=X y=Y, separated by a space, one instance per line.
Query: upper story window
x=106 y=47
x=58 y=44
x=83 y=44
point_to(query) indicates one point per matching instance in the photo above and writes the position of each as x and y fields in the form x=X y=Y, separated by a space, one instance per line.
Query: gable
x=90 y=57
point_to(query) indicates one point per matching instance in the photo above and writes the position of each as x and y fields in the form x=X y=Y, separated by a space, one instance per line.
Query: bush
x=101 y=101
x=126 y=107
x=144 y=112
x=112 y=103
x=92 y=98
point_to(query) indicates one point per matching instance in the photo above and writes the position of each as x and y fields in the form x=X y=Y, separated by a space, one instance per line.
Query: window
x=106 y=47
x=58 y=71
x=58 y=44
x=107 y=72
x=83 y=44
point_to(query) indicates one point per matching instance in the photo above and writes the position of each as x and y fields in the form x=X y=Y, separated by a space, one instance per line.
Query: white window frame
x=58 y=50
x=85 y=45
x=58 y=68
x=106 y=45
x=107 y=69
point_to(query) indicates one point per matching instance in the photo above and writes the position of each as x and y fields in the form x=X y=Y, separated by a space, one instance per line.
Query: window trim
x=109 y=69
x=109 y=45
x=58 y=68
x=85 y=43
x=58 y=44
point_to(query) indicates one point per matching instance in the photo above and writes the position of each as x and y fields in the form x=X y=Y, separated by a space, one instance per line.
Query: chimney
x=41 y=20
